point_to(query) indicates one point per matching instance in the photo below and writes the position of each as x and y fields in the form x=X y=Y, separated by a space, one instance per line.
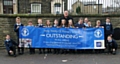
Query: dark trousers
x=12 y=49
x=20 y=49
x=32 y=50
x=111 y=46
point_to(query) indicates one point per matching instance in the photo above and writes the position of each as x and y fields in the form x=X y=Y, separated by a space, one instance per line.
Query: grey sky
x=104 y=2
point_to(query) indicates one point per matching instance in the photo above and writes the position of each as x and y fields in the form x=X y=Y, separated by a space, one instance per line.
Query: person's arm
x=7 y=47
x=112 y=31
x=73 y=20
x=15 y=28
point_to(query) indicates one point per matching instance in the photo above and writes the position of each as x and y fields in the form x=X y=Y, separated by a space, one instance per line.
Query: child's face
x=30 y=23
x=98 y=23
x=40 y=21
x=63 y=22
x=70 y=22
x=48 y=22
x=107 y=20
x=56 y=22
x=89 y=23
x=80 y=21
x=18 y=20
x=109 y=38
x=7 y=37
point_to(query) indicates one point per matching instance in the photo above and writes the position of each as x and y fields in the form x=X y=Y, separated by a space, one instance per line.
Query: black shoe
x=14 y=56
x=20 y=53
x=114 y=53
x=40 y=52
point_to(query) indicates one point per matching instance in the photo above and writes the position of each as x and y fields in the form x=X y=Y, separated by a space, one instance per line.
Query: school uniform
x=41 y=50
x=55 y=51
x=108 y=28
x=20 y=49
x=48 y=49
x=10 y=45
x=31 y=49
x=86 y=25
x=112 y=45
x=66 y=18
x=79 y=25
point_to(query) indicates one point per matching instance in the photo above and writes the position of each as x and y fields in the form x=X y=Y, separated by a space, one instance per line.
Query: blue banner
x=65 y=38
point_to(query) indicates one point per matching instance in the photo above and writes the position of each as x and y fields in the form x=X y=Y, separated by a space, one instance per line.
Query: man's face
x=66 y=13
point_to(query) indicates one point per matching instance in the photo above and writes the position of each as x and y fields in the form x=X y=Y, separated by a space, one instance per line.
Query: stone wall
x=7 y=23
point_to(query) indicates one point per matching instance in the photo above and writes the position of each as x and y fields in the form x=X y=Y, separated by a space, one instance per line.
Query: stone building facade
x=30 y=6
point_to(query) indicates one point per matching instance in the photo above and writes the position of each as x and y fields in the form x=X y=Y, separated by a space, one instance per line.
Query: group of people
x=65 y=22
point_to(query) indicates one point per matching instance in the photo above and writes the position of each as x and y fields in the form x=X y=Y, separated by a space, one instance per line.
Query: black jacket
x=68 y=18
x=108 y=29
x=17 y=30
x=9 y=44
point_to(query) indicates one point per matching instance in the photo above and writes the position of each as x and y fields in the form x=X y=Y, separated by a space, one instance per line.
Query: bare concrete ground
x=60 y=59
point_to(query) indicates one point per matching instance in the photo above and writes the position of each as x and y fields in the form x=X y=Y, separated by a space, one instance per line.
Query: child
x=16 y=29
x=80 y=23
x=10 y=46
x=70 y=24
x=98 y=24
x=63 y=23
x=112 y=45
x=48 y=24
x=32 y=50
x=55 y=23
x=40 y=25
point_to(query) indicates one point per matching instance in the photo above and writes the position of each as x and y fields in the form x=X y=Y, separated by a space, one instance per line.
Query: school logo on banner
x=99 y=44
x=25 y=32
x=98 y=33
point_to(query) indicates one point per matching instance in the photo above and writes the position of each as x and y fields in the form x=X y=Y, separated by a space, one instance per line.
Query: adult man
x=16 y=29
x=66 y=17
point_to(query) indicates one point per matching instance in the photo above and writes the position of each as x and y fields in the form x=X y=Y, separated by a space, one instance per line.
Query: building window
x=36 y=8
x=57 y=5
x=8 y=6
x=8 y=3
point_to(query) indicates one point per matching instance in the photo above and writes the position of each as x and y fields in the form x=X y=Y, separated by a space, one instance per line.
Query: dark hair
x=108 y=18
x=30 y=21
x=54 y=20
x=80 y=18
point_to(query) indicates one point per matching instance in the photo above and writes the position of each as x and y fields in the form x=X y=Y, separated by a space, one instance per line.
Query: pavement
x=102 y=58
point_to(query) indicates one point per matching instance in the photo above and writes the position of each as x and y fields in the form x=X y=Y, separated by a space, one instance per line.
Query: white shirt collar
x=18 y=24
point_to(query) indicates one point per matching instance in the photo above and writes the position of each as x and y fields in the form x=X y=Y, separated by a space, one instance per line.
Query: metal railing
x=59 y=6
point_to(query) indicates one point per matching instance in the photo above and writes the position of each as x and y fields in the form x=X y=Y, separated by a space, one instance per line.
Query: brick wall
x=7 y=23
